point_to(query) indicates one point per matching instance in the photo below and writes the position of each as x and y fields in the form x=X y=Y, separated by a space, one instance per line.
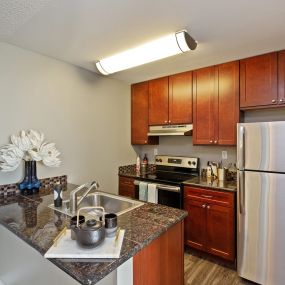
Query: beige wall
x=181 y=145
x=86 y=115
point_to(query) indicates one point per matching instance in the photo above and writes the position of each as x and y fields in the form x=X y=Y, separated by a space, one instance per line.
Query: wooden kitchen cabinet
x=180 y=98
x=195 y=226
x=171 y=99
x=158 y=101
x=126 y=186
x=258 y=81
x=210 y=225
x=281 y=78
x=139 y=115
x=162 y=261
x=216 y=104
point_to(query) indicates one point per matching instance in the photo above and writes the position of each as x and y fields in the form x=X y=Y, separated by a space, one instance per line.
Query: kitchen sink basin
x=111 y=203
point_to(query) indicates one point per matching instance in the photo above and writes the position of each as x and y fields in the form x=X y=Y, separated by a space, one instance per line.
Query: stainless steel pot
x=92 y=232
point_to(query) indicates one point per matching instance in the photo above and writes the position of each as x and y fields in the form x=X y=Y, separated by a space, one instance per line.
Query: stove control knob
x=160 y=160
x=189 y=162
x=194 y=162
x=157 y=160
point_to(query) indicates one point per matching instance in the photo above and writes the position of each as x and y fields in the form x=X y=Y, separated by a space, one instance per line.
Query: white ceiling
x=82 y=31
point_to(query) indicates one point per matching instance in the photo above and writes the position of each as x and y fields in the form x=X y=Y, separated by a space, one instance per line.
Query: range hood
x=171 y=130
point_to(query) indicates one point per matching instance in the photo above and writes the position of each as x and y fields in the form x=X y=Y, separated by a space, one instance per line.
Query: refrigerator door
x=261 y=146
x=261 y=227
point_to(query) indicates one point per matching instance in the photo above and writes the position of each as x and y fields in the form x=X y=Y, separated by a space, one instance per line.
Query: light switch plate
x=224 y=154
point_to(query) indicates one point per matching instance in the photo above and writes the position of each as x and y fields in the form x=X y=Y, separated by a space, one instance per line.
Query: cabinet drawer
x=209 y=196
x=126 y=180
x=127 y=192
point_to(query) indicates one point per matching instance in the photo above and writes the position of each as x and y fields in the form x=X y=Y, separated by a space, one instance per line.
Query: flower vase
x=30 y=183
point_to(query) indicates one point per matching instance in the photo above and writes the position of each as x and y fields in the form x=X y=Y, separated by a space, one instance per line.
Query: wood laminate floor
x=199 y=270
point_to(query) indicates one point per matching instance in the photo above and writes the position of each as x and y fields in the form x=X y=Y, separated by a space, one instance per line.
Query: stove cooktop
x=174 y=170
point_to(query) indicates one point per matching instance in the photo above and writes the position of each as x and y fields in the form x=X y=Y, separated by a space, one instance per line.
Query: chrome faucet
x=73 y=196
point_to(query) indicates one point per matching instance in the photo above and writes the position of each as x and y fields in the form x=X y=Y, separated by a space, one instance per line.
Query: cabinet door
x=258 y=81
x=139 y=123
x=126 y=187
x=281 y=77
x=220 y=231
x=180 y=98
x=226 y=103
x=203 y=98
x=195 y=224
x=158 y=101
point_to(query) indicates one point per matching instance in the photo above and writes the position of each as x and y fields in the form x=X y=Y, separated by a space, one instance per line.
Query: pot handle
x=91 y=207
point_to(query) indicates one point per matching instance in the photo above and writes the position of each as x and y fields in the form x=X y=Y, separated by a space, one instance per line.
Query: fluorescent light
x=161 y=48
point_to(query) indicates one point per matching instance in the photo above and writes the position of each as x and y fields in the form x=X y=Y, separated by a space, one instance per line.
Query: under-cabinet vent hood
x=171 y=130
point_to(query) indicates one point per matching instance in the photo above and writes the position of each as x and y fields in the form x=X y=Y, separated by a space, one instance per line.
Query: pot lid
x=91 y=225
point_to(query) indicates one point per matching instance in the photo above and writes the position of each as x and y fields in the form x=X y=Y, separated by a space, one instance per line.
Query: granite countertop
x=195 y=181
x=212 y=184
x=31 y=220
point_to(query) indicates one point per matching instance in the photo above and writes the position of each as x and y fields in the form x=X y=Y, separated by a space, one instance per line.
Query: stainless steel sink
x=111 y=203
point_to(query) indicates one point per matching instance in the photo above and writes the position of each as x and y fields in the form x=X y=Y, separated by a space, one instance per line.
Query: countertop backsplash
x=8 y=190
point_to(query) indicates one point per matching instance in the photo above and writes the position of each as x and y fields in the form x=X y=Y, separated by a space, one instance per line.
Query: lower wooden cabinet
x=162 y=261
x=210 y=225
x=126 y=186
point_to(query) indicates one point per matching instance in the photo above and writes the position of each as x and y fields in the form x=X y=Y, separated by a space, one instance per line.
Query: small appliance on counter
x=165 y=185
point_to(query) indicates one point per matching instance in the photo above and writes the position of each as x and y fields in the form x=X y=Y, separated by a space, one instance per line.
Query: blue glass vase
x=30 y=183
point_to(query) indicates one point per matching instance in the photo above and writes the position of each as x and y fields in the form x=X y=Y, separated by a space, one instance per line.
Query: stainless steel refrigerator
x=261 y=202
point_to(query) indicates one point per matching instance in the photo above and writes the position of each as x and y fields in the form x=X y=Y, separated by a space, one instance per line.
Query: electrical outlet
x=224 y=154
x=155 y=151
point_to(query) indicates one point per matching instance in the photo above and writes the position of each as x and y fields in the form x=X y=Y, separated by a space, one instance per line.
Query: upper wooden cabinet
x=258 y=81
x=216 y=104
x=180 y=98
x=281 y=77
x=170 y=99
x=227 y=103
x=158 y=101
x=139 y=111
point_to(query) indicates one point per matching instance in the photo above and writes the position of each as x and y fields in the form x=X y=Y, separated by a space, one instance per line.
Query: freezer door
x=261 y=227
x=261 y=146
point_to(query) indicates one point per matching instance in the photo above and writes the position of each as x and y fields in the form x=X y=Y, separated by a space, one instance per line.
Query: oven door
x=169 y=195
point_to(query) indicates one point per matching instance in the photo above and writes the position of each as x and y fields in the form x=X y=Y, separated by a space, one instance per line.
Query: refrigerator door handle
x=241 y=192
x=241 y=150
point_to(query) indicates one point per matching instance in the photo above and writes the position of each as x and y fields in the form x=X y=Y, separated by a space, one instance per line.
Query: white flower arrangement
x=28 y=145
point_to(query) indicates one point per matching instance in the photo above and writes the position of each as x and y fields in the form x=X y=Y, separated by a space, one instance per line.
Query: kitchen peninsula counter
x=31 y=220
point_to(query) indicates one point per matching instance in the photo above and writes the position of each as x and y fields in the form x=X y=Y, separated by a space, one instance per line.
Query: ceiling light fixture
x=161 y=48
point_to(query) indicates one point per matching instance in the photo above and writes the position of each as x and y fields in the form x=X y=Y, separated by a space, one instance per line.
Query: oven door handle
x=168 y=188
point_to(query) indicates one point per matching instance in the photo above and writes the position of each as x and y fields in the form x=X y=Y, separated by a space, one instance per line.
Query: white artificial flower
x=49 y=155
x=34 y=155
x=36 y=139
x=25 y=143
x=10 y=157
x=27 y=146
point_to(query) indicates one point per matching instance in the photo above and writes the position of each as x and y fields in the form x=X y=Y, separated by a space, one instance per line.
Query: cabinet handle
x=210 y=141
x=165 y=121
x=204 y=206
x=207 y=196
x=169 y=121
x=208 y=207
x=281 y=100
x=273 y=101
x=215 y=141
